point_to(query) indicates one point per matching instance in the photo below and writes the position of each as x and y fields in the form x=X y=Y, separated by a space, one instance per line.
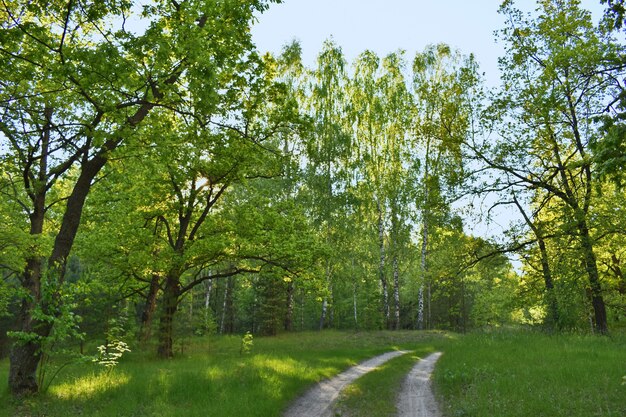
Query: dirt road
x=318 y=401
x=414 y=400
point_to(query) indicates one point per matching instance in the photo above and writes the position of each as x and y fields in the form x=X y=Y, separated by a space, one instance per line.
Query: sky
x=384 y=26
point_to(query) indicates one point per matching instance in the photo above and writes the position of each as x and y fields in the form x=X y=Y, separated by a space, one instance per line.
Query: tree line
x=161 y=178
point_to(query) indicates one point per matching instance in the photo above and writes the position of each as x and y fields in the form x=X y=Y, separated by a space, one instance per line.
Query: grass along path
x=521 y=374
x=211 y=378
x=514 y=374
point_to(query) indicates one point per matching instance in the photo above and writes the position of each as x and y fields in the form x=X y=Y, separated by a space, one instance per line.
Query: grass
x=524 y=374
x=211 y=379
x=374 y=394
x=503 y=374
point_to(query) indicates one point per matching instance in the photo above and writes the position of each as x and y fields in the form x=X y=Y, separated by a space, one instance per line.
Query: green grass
x=211 y=379
x=512 y=374
x=374 y=394
x=531 y=374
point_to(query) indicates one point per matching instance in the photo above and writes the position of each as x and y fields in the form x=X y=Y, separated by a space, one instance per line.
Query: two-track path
x=415 y=399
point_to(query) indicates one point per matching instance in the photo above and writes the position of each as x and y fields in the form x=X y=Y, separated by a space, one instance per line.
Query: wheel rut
x=415 y=398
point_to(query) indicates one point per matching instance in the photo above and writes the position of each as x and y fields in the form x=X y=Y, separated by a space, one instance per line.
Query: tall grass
x=525 y=374
x=514 y=374
x=210 y=379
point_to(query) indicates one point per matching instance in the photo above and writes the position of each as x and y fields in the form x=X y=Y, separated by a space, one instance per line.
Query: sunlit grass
x=532 y=374
x=88 y=386
x=493 y=374
x=211 y=378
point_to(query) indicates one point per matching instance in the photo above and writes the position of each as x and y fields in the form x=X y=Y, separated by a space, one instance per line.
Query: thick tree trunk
x=597 y=301
x=171 y=295
x=290 y=301
x=22 y=369
x=147 y=315
x=24 y=357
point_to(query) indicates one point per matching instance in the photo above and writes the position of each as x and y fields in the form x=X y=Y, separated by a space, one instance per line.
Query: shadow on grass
x=210 y=382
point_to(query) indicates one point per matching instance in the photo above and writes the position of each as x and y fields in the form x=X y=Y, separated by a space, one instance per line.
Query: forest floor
x=505 y=373
x=414 y=399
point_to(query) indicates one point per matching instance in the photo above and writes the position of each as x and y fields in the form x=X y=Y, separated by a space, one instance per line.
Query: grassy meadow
x=211 y=378
x=523 y=374
x=496 y=374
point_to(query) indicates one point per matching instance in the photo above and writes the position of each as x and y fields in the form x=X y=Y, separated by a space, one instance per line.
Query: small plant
x=246 y=343
x=114 y=347
x=110 y=353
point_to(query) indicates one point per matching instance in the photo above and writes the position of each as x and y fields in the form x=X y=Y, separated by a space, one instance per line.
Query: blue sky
x=385 y=26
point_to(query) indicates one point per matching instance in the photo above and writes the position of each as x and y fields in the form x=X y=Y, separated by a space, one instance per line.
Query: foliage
x=247 y=342
x=110 y=353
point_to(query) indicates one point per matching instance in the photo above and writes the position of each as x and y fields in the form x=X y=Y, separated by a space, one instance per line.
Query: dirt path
x=318 y=401
x=416 y=398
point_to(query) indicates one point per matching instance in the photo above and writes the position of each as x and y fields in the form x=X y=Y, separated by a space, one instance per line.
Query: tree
x=444 y=83
x=327 y=152
x=77 y=85
x=556 y=82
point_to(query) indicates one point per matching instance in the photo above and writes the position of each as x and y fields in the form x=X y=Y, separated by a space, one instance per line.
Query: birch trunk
x=381 y=265
x=396 y=292
x=420 y=296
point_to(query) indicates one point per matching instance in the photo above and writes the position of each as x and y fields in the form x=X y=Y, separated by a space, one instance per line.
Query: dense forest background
x=173 y=181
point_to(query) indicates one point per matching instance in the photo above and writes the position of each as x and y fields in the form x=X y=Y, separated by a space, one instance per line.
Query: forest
x=163 y=180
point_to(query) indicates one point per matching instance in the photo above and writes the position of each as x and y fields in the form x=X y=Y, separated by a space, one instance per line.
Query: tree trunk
x=171 y=294
x=396 y=293
x=289 y=312
x=224 y=306
x=24 y=361
x=553 y=308
x=420 y=295
x=22 y=369
x=381 y=265
x=24 y=357
x=148 y=311
x=599 y=309
x=355 y=289
x=324 y=312
x=207 y=300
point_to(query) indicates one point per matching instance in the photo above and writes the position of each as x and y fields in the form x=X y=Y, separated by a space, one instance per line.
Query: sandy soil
x=318 y=401
x=416 y=398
